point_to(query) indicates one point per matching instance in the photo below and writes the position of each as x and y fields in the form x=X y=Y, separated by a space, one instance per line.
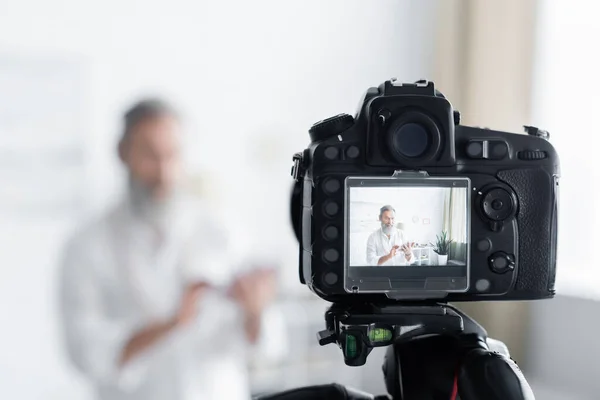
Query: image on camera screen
x=408 y=229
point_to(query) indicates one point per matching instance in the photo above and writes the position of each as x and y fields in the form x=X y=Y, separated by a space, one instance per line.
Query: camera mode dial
x=331 y=126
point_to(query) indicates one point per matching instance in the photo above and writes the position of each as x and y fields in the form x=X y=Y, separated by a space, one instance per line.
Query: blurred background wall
x=251 y=77
x=484 y=61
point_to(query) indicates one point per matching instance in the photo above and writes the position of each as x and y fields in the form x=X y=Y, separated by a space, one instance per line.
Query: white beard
x=156 y=212
x=387 y=229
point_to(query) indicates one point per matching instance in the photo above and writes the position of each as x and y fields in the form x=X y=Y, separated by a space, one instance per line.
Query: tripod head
x=427 y=339
x=358 y=328
x=435 y=351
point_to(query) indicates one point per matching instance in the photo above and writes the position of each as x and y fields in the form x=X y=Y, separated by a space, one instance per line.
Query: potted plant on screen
x=442 y=247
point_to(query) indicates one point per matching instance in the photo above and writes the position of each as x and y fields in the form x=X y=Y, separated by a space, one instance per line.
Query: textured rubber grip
x=491 y=376
x=535 y=192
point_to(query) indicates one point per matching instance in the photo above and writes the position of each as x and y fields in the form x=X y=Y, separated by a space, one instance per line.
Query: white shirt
x=379 y=245
x=118 y=276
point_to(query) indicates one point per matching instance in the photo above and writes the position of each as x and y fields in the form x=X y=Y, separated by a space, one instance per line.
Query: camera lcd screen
x=407 y=234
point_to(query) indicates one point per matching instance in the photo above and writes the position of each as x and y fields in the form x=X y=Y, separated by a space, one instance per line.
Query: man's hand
x=389 y=256
x=154 y=332
x=253 y=292
x=407 y=249
x=188 y=308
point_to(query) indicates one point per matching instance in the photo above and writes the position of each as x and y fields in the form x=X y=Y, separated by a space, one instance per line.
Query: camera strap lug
x=297 y=168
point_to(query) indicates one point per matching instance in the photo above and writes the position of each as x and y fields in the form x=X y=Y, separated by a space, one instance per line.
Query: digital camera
x=401 y=202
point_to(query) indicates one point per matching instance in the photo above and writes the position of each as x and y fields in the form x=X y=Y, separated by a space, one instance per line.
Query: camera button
x=498 y=204
x=499 y=150
x=331 y=208
x=331 y=186
x=501 y=262
x=330 y=232
x=331 y=153
x=330 y=278
x=475 y=149
x=331 y=255
x=482 y=285
x=484 y=245
x=352 y=152
x=487 y=149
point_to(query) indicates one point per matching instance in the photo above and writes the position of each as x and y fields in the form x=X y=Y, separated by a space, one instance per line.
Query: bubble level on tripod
x=350 y=347
x=377 y=335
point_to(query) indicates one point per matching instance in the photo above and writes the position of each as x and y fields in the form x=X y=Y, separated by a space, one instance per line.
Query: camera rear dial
x=497 y=203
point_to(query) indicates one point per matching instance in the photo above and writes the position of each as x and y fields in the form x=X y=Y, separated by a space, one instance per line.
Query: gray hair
x=143 y=110
x=386 y=208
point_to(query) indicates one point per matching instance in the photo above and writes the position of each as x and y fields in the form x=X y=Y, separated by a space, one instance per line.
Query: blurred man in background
x=152 y=308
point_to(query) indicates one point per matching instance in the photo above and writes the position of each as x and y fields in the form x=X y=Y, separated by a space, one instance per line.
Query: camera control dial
x=331 y=126
x=501 y=262
x=498 y=204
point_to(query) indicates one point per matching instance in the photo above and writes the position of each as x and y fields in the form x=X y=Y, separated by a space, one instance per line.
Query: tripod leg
x=491 y=376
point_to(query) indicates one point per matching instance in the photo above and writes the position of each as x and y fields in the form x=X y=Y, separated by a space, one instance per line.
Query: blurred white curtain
x=483 y=65
x=455 y=216
x=455 y=210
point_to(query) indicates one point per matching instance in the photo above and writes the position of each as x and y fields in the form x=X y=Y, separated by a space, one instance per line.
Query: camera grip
x=536 y=194
x=491 y=376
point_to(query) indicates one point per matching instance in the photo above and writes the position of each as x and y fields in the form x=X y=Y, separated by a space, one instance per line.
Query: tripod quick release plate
x=357 y=329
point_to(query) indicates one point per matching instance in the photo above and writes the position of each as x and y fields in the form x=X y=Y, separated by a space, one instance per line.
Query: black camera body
x=513 y=192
